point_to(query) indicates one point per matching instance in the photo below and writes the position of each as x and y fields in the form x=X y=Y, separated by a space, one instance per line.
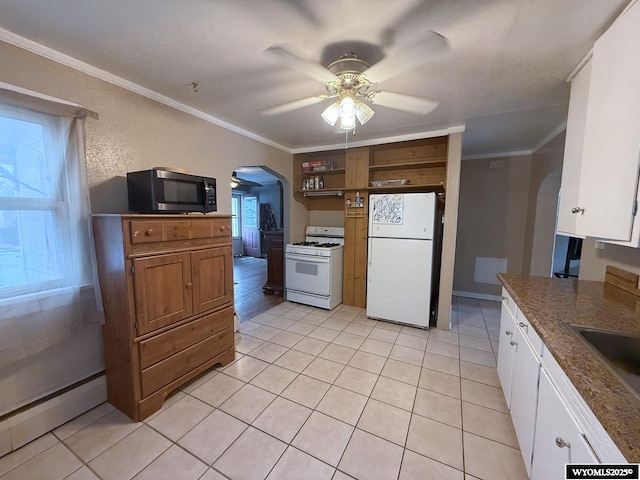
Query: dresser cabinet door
x=163 y=290
x=212 y=271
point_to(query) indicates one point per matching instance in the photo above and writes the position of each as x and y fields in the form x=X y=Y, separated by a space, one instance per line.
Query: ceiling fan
x=240 y=182
x=352 y=82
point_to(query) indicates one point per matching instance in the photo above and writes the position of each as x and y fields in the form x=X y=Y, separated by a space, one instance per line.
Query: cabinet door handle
x=560 y=443
x=508 y=332
x=523 y=325
x=577 y=210
x=189 y=285
x=504 y=299
x=513 y=344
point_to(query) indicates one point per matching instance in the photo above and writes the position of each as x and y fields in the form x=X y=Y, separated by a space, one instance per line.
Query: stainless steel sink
x=620 y=352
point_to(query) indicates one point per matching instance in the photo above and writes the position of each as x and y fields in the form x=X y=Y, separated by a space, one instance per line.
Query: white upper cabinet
x=600 y=176
x=573 y=148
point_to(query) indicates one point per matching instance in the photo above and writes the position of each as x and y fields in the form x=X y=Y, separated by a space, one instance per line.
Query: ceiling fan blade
x=243 y=182
x=311 y=69
x=407 y=59
x=400 y=101
x=289 y=106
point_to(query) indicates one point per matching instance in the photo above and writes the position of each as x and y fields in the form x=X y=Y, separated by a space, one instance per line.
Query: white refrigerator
x=400 y=257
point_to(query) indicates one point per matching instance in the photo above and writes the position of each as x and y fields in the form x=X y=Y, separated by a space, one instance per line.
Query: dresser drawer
x=169 y=343
x=172 y=368
x=147 y=231
x=177 y=230
x=202 y=228
x=222 y=227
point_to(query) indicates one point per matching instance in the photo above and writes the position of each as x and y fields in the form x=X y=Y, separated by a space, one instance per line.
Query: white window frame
x=58 y=204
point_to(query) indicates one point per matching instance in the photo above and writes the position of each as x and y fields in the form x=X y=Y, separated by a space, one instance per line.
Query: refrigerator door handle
x=370 y=255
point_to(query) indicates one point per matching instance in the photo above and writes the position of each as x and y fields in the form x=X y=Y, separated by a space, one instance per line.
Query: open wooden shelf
x=332 y=171
x=321 y=192
x=408 y=165
x=433 y=187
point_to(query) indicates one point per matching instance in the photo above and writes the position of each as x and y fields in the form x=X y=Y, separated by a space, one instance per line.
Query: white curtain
x=48 y=278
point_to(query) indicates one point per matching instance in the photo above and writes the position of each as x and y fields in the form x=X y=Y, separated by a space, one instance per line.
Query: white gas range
x=314 y=268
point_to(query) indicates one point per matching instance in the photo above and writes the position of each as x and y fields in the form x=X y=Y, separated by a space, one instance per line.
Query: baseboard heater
x=33 y=420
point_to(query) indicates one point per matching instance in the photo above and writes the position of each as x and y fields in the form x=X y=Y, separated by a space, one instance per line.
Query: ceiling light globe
x=364 y=112
x=331 y=114
x=348 y=123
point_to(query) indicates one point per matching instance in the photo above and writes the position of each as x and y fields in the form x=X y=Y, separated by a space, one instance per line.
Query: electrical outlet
x=599 y=245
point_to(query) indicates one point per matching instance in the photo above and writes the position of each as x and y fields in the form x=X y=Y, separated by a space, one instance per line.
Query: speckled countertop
x=551 y=303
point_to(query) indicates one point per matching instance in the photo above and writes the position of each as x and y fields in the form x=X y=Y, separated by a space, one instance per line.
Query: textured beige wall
x=593 y=263
x=546 y=170
x=492 y=218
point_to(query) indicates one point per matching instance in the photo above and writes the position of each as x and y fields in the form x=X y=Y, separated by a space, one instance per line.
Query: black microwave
x=165 y=191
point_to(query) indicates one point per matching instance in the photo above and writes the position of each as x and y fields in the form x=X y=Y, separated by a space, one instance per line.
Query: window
x=250 y=211
x=35 y=249
x=235 y=217
x=48 y=283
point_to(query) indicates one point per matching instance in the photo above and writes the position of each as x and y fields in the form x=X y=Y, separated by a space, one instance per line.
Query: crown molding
x=516 y=153
x=557 y=131
x=58 y=57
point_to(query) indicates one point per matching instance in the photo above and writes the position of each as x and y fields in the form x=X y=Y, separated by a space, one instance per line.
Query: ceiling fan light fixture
x=331 y=113
x=364 y=112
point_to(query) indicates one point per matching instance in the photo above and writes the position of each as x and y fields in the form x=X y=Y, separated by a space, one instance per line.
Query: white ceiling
x=503 y=75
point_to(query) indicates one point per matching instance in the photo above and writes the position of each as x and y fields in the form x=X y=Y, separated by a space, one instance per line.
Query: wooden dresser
x=275 y=263
x=167 y=289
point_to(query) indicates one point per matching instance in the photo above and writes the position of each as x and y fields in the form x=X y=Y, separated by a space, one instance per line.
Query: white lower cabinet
x=506 y=350
x=524 y=394
x=558 y=439
x=553 y=424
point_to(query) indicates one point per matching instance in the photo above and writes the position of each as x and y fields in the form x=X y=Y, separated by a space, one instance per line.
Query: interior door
x=251 y=226
x=163 y=294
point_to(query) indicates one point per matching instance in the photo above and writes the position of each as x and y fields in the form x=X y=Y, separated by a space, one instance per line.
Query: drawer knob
x=513 y=344
x=577 y=210
x=560 y=443
x=189 y=285
x=523 y=325
x=508 y=332
x=149 y=232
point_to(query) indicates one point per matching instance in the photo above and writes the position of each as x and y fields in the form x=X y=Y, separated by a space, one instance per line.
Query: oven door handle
x=306 y=258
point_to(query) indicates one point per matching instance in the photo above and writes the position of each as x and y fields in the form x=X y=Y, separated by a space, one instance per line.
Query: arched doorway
x=260 y=213
x=544 y=228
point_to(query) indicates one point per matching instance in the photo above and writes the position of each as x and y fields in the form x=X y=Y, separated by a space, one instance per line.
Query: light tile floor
x=312 y=395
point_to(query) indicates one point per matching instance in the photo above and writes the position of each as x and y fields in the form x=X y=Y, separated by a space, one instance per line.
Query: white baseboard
x=479 y=296
x=26 y=426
